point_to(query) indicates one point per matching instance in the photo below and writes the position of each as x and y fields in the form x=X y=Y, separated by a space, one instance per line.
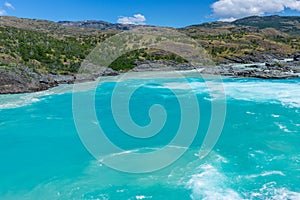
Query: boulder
x=297 y=56
x=44 y=80
x=270 y=64
x=110 y=72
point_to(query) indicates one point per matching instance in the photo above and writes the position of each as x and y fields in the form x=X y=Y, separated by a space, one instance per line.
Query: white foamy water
x=286 y=93
x=268 y=173
x=8 y=101
x=211 y=184
x=18 y=100
x=269 y=191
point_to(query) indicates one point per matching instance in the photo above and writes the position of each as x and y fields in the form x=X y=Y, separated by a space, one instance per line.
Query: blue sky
x=177 y=13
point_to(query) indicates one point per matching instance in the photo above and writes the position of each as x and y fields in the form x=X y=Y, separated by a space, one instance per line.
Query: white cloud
x=9 y=5
x=292 y=4
x=231 y=19
x=2 y=12
x=137 y=19
x=232 y=9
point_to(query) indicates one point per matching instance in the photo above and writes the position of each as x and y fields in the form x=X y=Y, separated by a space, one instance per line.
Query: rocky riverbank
x=274 y=69
x=163 y=65
x=23 y=80
x=270 y=70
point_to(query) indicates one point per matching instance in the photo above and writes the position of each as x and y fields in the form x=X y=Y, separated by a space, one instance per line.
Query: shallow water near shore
x=256 y=157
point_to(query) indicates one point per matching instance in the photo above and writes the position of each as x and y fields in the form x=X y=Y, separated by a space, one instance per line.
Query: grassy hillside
x=129 y=60
x=47 y=46
x=227 y=41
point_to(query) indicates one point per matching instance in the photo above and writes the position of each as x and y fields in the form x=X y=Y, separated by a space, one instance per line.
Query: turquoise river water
x=256 y=157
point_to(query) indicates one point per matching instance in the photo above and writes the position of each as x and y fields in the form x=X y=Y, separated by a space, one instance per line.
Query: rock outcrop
x=272 y=70
x=23 y=80
x=163 y=65
x=297 y=56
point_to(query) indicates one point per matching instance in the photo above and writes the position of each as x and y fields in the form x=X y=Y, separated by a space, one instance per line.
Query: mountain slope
x=252 y=39
x=57 y=46
x=286 y=24
x=97 y=24
x=46 y=26
x=44 y=45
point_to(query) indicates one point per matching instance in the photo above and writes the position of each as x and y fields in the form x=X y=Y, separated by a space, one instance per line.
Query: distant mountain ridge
x=44 y=26
x=286 y=24
x=98 y=24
